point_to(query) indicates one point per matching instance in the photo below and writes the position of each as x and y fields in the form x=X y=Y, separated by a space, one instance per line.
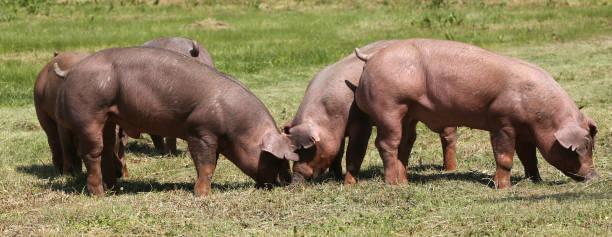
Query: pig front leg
x=448 y=137
x=503 y=141
x=526 y=152
x=359 y=133
x=204 y=154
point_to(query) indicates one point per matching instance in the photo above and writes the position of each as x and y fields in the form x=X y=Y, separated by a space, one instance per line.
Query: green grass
x=275 y=48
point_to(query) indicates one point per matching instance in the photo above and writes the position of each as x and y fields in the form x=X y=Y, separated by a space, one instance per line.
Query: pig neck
x=565 y=115
x=247 y=147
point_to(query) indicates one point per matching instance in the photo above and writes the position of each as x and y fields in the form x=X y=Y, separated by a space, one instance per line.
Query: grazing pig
x=161 y=92
x=444 y=84
x=61 y=142
x=328 y=114
x=187 y=47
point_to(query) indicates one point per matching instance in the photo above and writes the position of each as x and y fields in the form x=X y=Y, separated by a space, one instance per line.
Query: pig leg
x=170 y=146
x=90 y=148
x=336 y=165
x=158 y=142
x=448 y=137
x=359 y=134
x=110 y=169
x=120 y=143
x=526 y=152
x=71 y=162
x=408 y=137
x=389 y=136
x=53 y=138
x=503 y=141
x=204 y=154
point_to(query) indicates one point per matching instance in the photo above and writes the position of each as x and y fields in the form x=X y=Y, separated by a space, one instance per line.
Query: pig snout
x=592 y=175
x=302 y=172
x=583 y=176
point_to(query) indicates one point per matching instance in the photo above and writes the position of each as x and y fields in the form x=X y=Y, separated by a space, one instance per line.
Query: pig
x=446 y=84
x=328 y=114
x=161 y=92
x=61 y=142
x=183 y=46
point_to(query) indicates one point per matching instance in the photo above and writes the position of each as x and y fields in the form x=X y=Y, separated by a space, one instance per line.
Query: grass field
x=275 y=48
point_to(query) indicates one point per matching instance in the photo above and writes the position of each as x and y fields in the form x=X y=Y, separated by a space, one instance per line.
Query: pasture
x=275 y=47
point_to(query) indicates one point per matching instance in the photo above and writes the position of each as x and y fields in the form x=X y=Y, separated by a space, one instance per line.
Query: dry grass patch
x=210 y=23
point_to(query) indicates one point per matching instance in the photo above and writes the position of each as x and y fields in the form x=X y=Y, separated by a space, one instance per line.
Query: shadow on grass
x=140 y=148
x=414 y=175
x=565 y=196
x=39 y=170
x=77 y=185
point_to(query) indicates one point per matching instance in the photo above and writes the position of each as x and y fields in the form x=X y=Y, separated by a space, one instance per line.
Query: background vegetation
x=275 y=47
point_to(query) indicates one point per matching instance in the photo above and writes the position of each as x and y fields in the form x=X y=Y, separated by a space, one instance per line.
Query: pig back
x=162 y=92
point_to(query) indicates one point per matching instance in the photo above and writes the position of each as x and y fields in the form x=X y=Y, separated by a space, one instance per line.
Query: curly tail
x=195 y=51
x=362 y=56
x=58 y=71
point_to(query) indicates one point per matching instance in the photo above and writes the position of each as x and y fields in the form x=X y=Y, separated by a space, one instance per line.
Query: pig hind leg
x=336 y=165
x=388 y=140
x=170 y=146
x=408 y=137
x=359 y=133
x=71 y=162
x=111 y=165
x=53 y=139
x=90 y=149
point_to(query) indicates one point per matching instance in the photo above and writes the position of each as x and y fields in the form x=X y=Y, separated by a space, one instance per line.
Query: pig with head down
x=158 y=91
x=445 y=84
x=328 y=114
x=62 y=142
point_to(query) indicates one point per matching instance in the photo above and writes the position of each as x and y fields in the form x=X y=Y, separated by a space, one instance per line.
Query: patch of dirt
x=210 y=23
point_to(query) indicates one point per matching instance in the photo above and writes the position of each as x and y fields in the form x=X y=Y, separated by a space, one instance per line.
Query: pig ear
x=279 y=146
x=55 y=53
x=303 y=136
x=574 y=138
x=592 y=128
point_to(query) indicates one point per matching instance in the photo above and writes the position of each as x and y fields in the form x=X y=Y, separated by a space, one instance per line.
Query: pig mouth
x=583 y=178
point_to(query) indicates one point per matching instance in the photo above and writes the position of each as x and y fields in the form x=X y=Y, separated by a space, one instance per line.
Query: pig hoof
x=349 y=180
x=97 y=190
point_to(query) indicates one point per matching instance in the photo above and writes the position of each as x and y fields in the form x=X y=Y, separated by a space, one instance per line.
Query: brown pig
x=183 y=46
x=161 y=92
x=446 y=84
x=61 y=142
x=328 y=114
